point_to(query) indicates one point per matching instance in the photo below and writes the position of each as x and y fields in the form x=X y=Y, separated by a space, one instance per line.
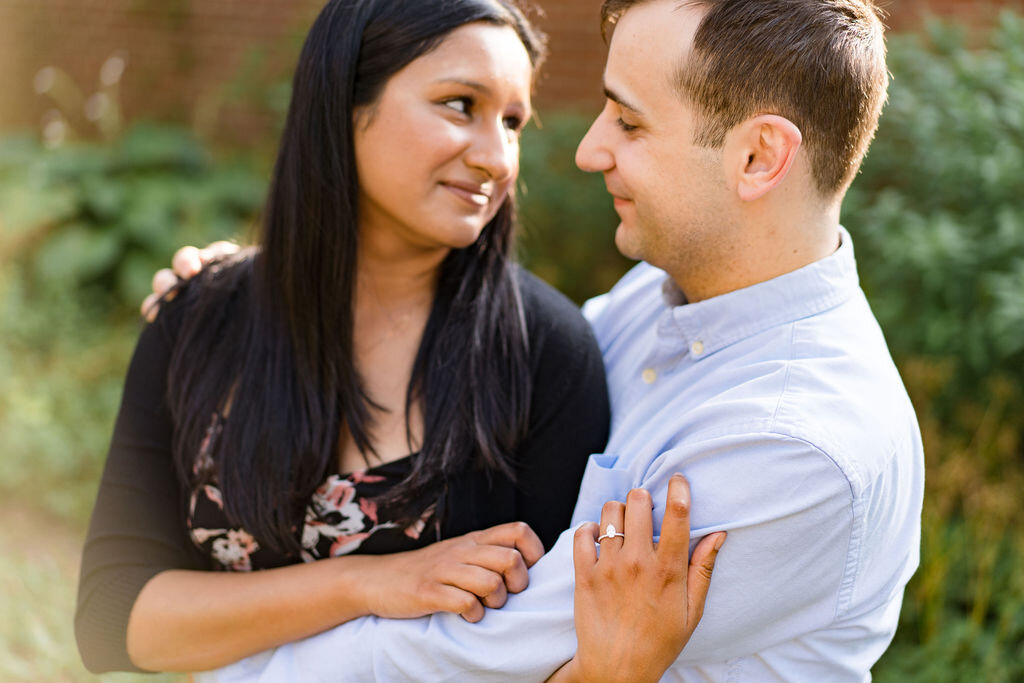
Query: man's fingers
x=217 y=250
x=698 y=577
x=150 y=307
x=674 y=544
x=163 y=281
x=638 y=526
x=186 y=262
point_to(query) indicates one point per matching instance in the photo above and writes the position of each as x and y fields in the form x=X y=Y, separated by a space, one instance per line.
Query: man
x=742 y=353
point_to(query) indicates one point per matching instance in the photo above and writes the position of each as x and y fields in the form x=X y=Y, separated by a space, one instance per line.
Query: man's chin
x=626 y=244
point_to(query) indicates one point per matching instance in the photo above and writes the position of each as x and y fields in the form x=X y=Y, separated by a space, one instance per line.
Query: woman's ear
x=764 y=148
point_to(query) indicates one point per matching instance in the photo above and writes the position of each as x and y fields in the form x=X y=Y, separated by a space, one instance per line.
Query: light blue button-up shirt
x=782 y=406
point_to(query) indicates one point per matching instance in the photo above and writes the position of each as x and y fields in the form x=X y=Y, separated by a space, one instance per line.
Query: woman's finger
x=698 y=578
x=612 y=515
x=584 y=550
x=474 y=579
x=496 y=598
x=516 y=535
x=674 y=544
x=508 y=562
x=458 y=601
x=638 y=526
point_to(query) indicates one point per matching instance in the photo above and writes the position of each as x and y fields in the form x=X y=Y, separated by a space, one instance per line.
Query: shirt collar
x=713 y=324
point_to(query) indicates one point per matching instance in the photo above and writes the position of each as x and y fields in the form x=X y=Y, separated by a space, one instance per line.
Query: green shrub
x=938 y=211
x=82 y=230
x=100 y=220
x=963 y=611
x=567 y=216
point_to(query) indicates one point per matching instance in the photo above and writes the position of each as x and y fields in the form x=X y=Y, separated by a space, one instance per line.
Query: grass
x=38 y=577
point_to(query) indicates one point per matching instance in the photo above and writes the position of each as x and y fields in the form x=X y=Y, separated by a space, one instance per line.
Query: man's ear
x=764 y=148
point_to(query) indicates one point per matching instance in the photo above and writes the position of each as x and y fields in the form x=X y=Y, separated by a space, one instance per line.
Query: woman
x=374 y=378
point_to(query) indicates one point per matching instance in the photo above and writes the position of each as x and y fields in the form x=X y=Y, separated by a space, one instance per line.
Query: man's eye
x=625 y=126
x=459 y=104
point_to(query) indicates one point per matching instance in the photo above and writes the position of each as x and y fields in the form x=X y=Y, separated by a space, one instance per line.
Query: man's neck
x=759 y=252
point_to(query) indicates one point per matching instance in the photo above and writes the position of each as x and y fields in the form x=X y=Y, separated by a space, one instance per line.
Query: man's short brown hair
x=818 y=63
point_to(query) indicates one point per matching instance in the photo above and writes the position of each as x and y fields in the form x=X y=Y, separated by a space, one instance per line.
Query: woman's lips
x=475 y=196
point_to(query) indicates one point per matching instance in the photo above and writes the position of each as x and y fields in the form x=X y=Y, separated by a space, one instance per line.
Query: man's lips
x=476 y=195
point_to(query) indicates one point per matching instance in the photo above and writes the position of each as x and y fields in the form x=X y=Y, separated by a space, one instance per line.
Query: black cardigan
x=138 y=524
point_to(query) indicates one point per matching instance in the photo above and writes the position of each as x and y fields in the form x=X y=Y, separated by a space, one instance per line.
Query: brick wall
x=205 y=61
x=180 y=54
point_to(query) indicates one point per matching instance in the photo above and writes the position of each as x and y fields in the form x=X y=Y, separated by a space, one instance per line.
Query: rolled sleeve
x=789 y=512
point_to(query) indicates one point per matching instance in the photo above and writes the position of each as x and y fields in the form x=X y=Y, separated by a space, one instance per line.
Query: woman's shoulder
x=561 y=341
x=547 y=310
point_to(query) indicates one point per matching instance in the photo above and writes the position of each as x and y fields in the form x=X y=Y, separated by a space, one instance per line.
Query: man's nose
x=593 y=154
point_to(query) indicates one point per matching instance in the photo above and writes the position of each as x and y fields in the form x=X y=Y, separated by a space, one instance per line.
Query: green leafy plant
x=567 y=216
x=100 y=220
x=938 y=211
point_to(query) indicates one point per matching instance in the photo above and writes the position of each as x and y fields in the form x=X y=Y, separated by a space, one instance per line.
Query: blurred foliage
x=38 y=584
x=938 y=219
x=62 y=363
x=83 y=227
x=963 y=612
x=938 y=211
x=99 y=220
x=567 y=216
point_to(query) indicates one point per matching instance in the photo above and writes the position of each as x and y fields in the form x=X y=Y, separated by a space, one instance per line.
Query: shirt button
x=649 y=375
x=697 y=348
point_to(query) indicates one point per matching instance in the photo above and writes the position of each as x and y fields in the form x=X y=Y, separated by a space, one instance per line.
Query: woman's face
x=438 y=152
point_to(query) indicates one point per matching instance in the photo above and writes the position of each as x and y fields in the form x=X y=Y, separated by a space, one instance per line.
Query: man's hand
x=638 y=603
x=187 y=262
x=461 y=575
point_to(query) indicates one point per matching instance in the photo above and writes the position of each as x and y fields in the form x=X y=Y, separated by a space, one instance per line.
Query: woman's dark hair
x=270 y=336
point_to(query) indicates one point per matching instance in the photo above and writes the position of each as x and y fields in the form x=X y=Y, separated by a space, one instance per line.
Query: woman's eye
x=513 y=123
x=459 y=104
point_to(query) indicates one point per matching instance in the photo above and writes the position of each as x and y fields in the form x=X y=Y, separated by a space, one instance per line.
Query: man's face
x=668 y=192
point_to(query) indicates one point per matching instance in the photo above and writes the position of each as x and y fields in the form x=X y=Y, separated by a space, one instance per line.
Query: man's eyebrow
x=479 y=87
x=619 y=100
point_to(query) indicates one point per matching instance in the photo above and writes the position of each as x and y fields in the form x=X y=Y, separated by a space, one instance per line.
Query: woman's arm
x=198 y=620
x=144 y=601
x=637 y=604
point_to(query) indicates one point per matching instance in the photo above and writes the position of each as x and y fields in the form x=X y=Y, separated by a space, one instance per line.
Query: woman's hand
x=638 y=603
x=460 y=575
x=187 y=262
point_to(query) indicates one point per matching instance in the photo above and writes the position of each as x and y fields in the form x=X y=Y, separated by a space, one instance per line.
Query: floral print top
x=342 y=517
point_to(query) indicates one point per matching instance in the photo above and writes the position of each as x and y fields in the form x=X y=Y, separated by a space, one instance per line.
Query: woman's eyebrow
x=480 y=87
